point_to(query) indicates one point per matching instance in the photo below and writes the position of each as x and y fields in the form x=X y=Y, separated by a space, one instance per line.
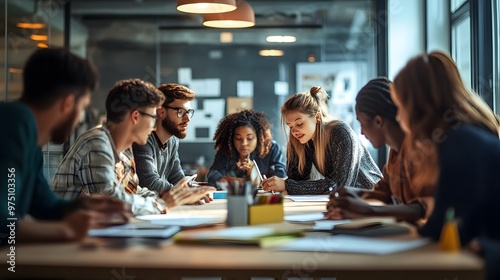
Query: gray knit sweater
x=158 y=169
x=348 y=163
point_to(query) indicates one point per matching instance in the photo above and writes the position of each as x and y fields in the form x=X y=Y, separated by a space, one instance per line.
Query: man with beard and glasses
x=57 y=87
x=158 y=163
x=101 y=160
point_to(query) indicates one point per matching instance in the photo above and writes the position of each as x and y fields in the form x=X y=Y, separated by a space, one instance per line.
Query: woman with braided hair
x=241 y=138
x=377 y=114
x=323 y=155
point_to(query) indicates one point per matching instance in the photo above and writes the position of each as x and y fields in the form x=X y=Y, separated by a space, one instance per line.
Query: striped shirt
x=93 y=166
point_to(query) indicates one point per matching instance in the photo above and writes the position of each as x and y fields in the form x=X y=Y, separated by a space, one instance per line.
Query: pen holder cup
x=267 y=213
x=237 y=210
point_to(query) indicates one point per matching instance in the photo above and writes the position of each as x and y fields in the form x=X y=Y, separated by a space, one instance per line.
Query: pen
x=265 y=177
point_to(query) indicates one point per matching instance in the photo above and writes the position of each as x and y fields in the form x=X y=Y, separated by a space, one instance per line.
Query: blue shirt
x=21 y=170
x=273 y=164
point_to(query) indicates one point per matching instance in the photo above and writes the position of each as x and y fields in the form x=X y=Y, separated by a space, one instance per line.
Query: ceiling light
x=30 y=25
x=42 y=45
x=281 y=39
x=271 y=53
x=39 y=37
x=226 y=37
x=242 y=17
x=206 y=6
x=15 y=70
x=311 y=57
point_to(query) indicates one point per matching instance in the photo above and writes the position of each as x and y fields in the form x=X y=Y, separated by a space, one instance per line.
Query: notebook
x=371 y=227
x=136 y=230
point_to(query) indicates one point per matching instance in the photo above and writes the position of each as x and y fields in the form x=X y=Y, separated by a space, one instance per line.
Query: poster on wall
x=208 y=113
x=341 y=80
x=237 y=104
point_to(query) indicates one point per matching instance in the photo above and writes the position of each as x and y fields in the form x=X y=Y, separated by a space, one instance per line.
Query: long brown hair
x=432 y=94
x=310 y=103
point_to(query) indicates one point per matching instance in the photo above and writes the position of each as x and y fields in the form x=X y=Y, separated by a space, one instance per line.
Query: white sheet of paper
x=302 y=218
x=244 y=88
x=328 y=224
x=352 y=244
x=309 y=198
x=131 y=230
x=242 y=232
x=184 y=76
x=172 y=220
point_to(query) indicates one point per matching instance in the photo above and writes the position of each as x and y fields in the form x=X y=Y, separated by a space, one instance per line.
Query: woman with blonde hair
x=455 y=143
x=322 y=154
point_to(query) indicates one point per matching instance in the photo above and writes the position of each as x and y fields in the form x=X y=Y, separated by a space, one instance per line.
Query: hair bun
x=314 y=90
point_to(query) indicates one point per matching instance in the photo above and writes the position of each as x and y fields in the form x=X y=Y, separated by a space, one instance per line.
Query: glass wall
x=461 y=39
x=496 y=55
x=29 y=25
x=334 y=47
x=461 y=48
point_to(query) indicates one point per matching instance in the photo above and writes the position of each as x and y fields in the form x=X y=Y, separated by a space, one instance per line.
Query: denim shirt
x=273 y=164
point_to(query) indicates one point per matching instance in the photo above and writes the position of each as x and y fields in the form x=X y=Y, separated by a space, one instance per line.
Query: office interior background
x=339 y=45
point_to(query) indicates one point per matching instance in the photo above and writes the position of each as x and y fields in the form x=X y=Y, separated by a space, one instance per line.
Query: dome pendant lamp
x=206 y=6
x=242 y=17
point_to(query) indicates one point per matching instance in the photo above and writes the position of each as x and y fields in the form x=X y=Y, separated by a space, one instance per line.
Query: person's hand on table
x=108 y=210
x=206 y=199
x=273 y=184
x=346 y=204
x=76 y=224
x=181 y=194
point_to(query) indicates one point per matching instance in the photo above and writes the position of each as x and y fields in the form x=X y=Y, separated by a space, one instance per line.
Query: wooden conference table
x=172 y=261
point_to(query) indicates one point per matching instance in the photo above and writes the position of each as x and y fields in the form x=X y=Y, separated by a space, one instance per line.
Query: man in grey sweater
x=158 y=164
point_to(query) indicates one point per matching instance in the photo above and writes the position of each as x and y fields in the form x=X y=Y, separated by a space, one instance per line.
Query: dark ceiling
x=336 y=25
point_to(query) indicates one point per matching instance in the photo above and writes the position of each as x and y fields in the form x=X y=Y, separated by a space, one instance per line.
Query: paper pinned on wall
x=280 y=88
x=206 y=87
x=244 y=88
x=206 y=117
x=184 y=76
x=237 y=104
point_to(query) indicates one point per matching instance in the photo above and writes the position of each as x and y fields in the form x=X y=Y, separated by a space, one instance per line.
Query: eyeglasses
x=149 y=115
x=181 y=112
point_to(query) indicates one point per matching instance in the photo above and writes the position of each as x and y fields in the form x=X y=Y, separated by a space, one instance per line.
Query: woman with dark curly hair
x=240 y=138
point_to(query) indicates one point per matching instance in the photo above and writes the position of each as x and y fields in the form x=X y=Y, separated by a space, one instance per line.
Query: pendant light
x=242 y=17
x=206 y=6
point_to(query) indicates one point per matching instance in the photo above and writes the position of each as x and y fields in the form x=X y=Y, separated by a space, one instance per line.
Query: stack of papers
x=328 y=225
x=305 y=218
x=352 y=244
x=309 y=198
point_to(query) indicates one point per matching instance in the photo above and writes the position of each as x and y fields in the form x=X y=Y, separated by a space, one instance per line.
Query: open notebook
x=136 y=230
